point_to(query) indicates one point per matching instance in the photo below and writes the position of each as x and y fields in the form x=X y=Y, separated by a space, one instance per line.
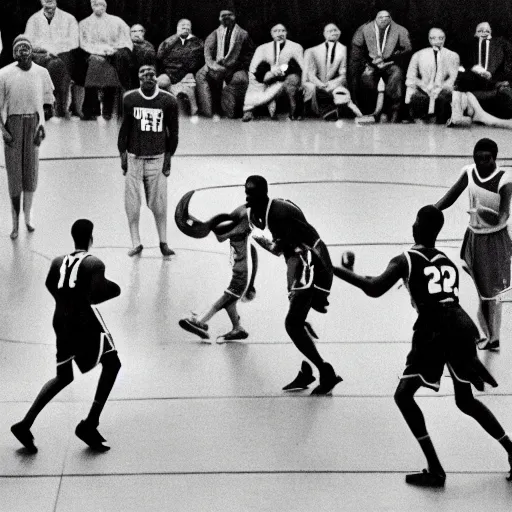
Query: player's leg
x=87 y=429
x=132 y=201
x=199 y=325
x=237 y=332
x=473 y=407
x=51 y=389
x=155 y=185
x=404 y=399
x=295 y=324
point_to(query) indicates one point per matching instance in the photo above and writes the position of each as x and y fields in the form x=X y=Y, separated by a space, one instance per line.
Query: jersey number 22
x=441 y=280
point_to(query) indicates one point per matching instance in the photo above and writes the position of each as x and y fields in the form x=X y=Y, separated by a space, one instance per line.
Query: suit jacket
x=397 y=42
x=422 y=71
x=365 y=49
x=59 y=36
x=240 y=52
x=318 y=70
x=500 y=58
x=266 y=54
x=178 y=59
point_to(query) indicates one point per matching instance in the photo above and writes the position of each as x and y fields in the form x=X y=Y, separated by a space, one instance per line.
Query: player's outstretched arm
x=453 y=193
x=268 y=245
x=378 y=285
x=101 y=288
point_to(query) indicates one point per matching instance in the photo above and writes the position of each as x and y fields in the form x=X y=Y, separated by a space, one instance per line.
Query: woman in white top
x=487 y=248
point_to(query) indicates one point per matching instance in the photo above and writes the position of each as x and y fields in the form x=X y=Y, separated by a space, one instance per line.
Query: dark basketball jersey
x=76 y=281
x=433 y=278
x=287 y=223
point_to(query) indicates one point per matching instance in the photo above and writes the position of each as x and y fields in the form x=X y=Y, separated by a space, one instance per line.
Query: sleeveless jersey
x=485 y=192
x=287 y=223
x=433 y=278
x=72 y=293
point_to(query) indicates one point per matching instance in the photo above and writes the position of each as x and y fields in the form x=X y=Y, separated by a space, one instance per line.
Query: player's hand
x=124 y=162
x=166 y=169
x=39 y=136
x=347 y=260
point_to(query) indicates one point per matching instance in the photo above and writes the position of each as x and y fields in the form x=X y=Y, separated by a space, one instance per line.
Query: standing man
x=223 y=80
x=430 y=79
x=148 y=137
x=379 y=50
x=309 y=275
x=26 y=92
x=443 y=335
x=487 y=247
x=54 y=33
x=77 y=282
x=180 y=57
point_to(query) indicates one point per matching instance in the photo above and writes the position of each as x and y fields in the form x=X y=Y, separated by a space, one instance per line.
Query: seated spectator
x=430 y=79
x=223 y=80
x=54 y=36
x=180 y=57
x=466 y=110
x=275 y=69
x=487 y=63
x=325 y=76
x=143 y=53
x=106 y=41
x=379 y=50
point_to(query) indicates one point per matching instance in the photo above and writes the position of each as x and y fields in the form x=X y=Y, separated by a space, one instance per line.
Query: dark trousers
x=495 y=101
x=121 y=61
x=61 y=69
x=393 y=77
x=213 y=97
x=420 y=101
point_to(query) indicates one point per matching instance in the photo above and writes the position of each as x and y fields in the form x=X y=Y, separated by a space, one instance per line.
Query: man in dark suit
x=223 y=80
x=487 y=63
x=380 y=49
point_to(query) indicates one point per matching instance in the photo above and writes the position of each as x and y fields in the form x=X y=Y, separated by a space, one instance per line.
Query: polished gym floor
x=206 y=427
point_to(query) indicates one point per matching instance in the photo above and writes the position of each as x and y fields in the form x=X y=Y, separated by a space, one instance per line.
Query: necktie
x=436 y=53
x=227 y=40
x=483 y=60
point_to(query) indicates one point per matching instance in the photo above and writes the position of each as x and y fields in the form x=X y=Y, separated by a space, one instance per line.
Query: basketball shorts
x=244 y=267
x=446 y=335
x=85 y=344
x=300 y=272
x=488 y=258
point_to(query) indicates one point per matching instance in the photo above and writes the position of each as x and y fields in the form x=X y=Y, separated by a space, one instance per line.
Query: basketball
x=347 y=260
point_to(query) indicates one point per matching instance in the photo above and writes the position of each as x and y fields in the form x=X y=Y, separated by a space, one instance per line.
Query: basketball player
x=241 y=287
x=309 y=272
x=148 y=137
x=443 y=334
x=487 y=247
x=77 y=281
